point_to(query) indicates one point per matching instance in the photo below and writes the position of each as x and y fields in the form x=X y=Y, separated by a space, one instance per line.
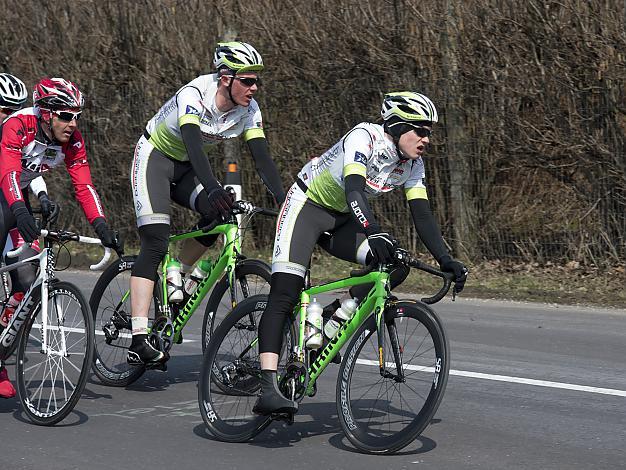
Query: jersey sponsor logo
x=398 y=171
x=359 y=214
x=360 y=158
x=191 y=110
x=78 y=145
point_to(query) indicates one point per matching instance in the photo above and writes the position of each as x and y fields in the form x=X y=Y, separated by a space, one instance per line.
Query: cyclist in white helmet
x=328 y=205
x=171 y=163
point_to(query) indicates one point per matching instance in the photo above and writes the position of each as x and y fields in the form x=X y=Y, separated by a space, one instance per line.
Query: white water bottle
x=198 y=273
x=313 y=327
x=174 y=281
x=341 y=315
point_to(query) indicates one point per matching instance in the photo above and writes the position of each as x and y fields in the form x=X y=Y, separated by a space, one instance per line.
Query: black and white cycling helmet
x=408 y=107
x=238 y=57
x=13 y=93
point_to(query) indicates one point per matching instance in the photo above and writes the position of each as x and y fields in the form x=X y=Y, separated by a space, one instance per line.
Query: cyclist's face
x=63 y=124
x=245 y=85
x=412 y=145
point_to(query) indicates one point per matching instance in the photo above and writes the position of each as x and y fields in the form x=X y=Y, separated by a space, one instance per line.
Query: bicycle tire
x=70 y=330
x=252 y=278
x=228 y=414
x=426 y=360
x=111 y=314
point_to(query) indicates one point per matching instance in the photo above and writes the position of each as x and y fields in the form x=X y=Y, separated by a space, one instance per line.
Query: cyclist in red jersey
x=35 y=140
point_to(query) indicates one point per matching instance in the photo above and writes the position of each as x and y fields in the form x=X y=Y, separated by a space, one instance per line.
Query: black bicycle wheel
x=230 y=373
x=51 y=379
x=380 y=414
x=252 y=277
x=110 y=304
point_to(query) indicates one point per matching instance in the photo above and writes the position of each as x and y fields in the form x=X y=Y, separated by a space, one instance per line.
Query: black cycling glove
x=48 y=208
x=26 y=223
x=382 y=247
x=449 y=264
x=220 y=201
x=109 y=238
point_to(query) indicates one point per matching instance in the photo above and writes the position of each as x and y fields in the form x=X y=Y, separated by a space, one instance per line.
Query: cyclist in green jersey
x=170 y=163
x=328 y=205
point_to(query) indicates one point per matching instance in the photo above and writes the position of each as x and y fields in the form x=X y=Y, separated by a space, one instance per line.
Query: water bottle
x=9 y=309
x=199 y=272
x=174 y=281
x=313 y=326
x=341 y=315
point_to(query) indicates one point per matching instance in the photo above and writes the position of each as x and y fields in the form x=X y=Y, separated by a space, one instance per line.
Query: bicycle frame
x=225 y=262
x=373 y=302
x=22 y=311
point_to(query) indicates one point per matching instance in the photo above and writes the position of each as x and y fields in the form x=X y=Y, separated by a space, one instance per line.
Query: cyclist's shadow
x=315 y=419
x=180 y=369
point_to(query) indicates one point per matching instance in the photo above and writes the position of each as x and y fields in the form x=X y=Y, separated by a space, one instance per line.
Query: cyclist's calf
x=154 y=240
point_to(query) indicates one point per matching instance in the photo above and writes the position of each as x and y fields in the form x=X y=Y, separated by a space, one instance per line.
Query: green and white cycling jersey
x=195 y=103
x=367 y=151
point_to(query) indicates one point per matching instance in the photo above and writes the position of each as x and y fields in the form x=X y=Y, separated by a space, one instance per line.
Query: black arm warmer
x=192 y=138
x=266 y=168
x=358 y=205
x=427 y=228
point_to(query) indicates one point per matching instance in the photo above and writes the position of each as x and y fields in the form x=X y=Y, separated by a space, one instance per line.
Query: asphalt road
x=531 y=387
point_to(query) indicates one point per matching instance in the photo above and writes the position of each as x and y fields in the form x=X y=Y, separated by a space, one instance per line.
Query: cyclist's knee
x=284 y=292
x=206 y=240
x=398 y=275
x=154 y=240
x=23 y=277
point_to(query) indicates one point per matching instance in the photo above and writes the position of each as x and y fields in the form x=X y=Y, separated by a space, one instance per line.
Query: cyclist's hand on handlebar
x=48 y=208
x=449 y=264
x=26 y=223
x=109 y=238
x=382 y=247
x=220 y=201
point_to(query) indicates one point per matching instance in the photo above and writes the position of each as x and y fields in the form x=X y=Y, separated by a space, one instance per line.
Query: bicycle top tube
x=229 y=229
x=371 y=277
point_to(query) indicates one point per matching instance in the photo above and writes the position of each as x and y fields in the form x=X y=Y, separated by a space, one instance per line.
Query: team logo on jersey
x=398 y=171
x=78 y=145
x=191 y=110
x=360 y=158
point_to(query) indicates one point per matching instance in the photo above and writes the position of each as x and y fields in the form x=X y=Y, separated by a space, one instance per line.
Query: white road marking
x=507 y=378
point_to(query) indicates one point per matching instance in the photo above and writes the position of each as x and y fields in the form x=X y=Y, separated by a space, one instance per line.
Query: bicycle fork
x=390 y=324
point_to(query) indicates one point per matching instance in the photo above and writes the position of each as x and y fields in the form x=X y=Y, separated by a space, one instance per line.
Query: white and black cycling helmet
x=408 y=107
x=13 y=92
x=237 y=57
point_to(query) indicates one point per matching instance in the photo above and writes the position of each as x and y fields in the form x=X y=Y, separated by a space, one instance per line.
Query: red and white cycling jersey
x=26 y=152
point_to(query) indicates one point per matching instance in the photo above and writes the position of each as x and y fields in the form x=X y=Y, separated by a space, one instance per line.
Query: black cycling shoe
x=142 y=353
x=272 y=401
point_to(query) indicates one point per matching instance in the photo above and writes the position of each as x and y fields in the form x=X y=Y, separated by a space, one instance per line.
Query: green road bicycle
x=232 y=278
x=390 y=382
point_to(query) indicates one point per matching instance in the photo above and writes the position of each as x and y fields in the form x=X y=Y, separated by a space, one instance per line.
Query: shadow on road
x=314 y=419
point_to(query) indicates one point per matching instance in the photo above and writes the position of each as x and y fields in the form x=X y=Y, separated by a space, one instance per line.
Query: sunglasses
x=249 y=81
x=8 y=110
x=67 y=116
x=422 y=132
